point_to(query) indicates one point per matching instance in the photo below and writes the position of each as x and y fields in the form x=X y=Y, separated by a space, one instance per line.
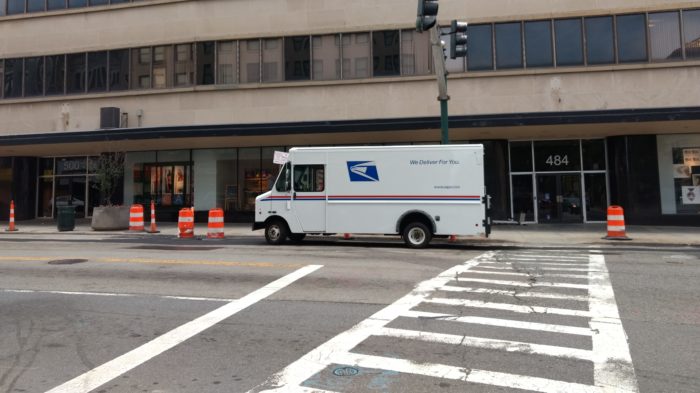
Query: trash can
x=66 y=218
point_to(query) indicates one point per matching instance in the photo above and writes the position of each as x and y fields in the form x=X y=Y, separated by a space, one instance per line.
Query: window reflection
x=509 y=52
x=538 y=43
x=631 y=38
x=691 y=29
x=33 y=76
x=226 y=62
x=599 y=40
x=326 y=61
x=385 y=52
x=297 y=58
x=665 y=35
x=415 y=53
x=568 y=42
x=356 y=52
x=480 y=56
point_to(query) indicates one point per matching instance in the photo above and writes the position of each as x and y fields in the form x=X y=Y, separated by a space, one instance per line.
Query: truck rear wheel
x=276 y=232
x=416 y=235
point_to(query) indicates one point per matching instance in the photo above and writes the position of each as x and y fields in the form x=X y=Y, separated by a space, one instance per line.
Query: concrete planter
x=110 y=218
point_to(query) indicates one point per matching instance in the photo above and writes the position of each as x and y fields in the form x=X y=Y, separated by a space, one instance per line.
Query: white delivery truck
x=417 y=192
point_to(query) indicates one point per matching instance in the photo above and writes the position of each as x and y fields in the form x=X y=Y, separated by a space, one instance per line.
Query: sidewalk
x=502 y=235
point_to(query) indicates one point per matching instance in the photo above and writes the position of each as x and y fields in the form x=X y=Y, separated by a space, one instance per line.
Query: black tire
x=296 y=237
x=276 y=232
x=416 y=235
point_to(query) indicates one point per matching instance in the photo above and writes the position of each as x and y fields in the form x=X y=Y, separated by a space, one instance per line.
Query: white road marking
x=537 y=268
x=108 y=294
x=532 y=264
x=507 y=323
x=509 y=307
x=488 y=343
x=523 y=284
x=546 y=257
x=543 y=295
x=114 y=368
x=519 y=274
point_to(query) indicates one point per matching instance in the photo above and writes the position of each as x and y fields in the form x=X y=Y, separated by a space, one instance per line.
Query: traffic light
x=458 y=44
x=427 y=15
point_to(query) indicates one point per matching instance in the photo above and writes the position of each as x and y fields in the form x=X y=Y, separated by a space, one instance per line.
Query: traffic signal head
x=427 y=14
x=458 y=45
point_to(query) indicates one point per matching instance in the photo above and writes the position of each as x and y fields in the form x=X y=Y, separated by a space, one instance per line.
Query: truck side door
x=309 y=196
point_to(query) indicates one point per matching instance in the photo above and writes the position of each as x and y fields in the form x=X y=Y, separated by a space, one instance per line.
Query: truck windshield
x=283 y=183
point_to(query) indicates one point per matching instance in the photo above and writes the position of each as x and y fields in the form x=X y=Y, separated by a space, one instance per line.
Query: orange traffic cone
x=452 y=239
x=12 y=218
x=347 y=236
x=154 y=228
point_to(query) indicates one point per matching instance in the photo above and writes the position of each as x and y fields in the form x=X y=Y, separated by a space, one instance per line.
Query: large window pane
x=99 y=2
x=326 y=61
x=13 y=78
x=599 y=40
x=553 y=156
x=77 y=3
x=523 y=198
x=568 y=42
x=227 y=62
x=480 y=52
x=119 y=69
x=593 y=154
x=2 y=77
x=3 y=6
x=538 y=44
x=141 y=68
x=521 y=156
x=55 y=74
x=385 y=52
x=297 y=58
x=33 y=76
x=631 y=38
x=15 y=7
x=36 y=5
x=162 y=67
x=97 y=71
x=205 y=63
x=250 y=172
x=509 y=52
x=691 y=32
x=415 y=53
x=451 y=65
x=356 y=52
x=184 y=64
x=273 y=58
x=76 y=73
x=250 y=61
x=56 y=4
x=596 y=196
x=665 y=35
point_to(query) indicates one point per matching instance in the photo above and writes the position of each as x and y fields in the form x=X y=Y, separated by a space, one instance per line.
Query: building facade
x=579 y=104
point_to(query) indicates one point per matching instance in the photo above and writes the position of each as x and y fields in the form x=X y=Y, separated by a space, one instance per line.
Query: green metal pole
x=444 y=124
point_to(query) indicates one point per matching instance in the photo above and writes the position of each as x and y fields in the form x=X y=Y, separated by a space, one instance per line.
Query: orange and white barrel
x=185 y=223
x=12 y=218
x=136 y=218
x=616 y=224
x=215 y=228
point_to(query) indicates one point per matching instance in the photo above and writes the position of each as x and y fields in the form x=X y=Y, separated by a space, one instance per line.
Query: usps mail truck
x=417 y=192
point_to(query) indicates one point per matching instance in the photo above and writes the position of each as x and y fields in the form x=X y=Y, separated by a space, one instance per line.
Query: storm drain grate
x=174 y=248
x=66 y=261
x=346 y=371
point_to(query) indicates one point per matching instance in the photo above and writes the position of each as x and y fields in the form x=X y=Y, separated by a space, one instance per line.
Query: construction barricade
x=215 y=228
x=185 y=223
x=616 y=224
x=11 y=227
x=136 y=218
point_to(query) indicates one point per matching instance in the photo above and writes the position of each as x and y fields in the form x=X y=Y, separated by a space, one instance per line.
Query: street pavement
x=119 y=312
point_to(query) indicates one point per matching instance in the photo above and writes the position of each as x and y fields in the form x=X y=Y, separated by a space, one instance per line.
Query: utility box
x=110 y=117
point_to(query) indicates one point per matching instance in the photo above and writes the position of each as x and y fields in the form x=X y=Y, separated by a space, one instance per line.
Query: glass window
x=13 y=78
x=184 y=64
x=665 y=35
x=415 y=53
x=36 y=5
x=480 y=52
x=596 y=196
x=46 y=167
x=56 y=4
x=15 y=7
x=538 y=44
x=250 y=61
x=385 y=52
x=326 y=61
x=309 y=178
x=251 y=175
x=71 y=165
x=2 y=7
x=141 y=68
x=76 y=73
x=297 y=58
x=97 y=71
x=521 y=156
x=270 y=170
x=45 y=197
x=118 y=69
x=356 y=52
x=2 y=77
x=215 y=179
x=451 y=65
x=163 y=67
x=205 y=62
x=284 y=182
x=568 y=41
x=55 y=74
x=226 y=62
x=509 y=53
x=691 y=32
x=273 y=58
x=593 y=154
x=631 y=38
x=77 y=3
x=33 y=76
x=523 y=198
x=553 y=156
x=99 y=2
x=599 y=40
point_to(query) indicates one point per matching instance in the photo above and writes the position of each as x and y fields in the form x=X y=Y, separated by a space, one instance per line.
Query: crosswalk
x=543 y=321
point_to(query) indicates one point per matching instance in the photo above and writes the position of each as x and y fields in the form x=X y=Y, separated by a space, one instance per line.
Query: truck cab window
x=283 y=181
x=309 y=178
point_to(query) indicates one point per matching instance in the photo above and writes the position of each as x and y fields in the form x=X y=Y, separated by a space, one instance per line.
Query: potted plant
x=109 y=172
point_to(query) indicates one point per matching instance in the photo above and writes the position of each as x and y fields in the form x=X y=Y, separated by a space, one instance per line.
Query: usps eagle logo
x=363 y=171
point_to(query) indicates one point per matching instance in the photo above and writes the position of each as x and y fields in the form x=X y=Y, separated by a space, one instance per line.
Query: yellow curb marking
x=165 y=262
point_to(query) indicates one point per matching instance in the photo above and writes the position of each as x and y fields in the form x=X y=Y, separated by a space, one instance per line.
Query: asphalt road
x=114 y=314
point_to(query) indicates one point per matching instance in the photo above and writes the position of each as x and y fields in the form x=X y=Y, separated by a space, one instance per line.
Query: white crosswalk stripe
x=541 y=317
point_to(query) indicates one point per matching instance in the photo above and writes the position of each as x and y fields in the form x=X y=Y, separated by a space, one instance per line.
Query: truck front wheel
x=276 y=232
x=416 y=235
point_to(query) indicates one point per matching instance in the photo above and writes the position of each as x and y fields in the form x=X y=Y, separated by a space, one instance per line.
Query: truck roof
x=389 y=147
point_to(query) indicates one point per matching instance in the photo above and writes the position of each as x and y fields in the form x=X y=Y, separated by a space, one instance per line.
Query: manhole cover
x=66 y=261
x=345 y=371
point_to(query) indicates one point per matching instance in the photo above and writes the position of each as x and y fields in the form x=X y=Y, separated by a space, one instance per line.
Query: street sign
x=280 y=158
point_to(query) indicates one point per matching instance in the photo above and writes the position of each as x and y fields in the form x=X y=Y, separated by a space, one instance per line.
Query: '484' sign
x=557 y=160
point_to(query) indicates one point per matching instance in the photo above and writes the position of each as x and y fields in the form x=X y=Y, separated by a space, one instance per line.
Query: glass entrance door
x=70 y=191
x=559 y=198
